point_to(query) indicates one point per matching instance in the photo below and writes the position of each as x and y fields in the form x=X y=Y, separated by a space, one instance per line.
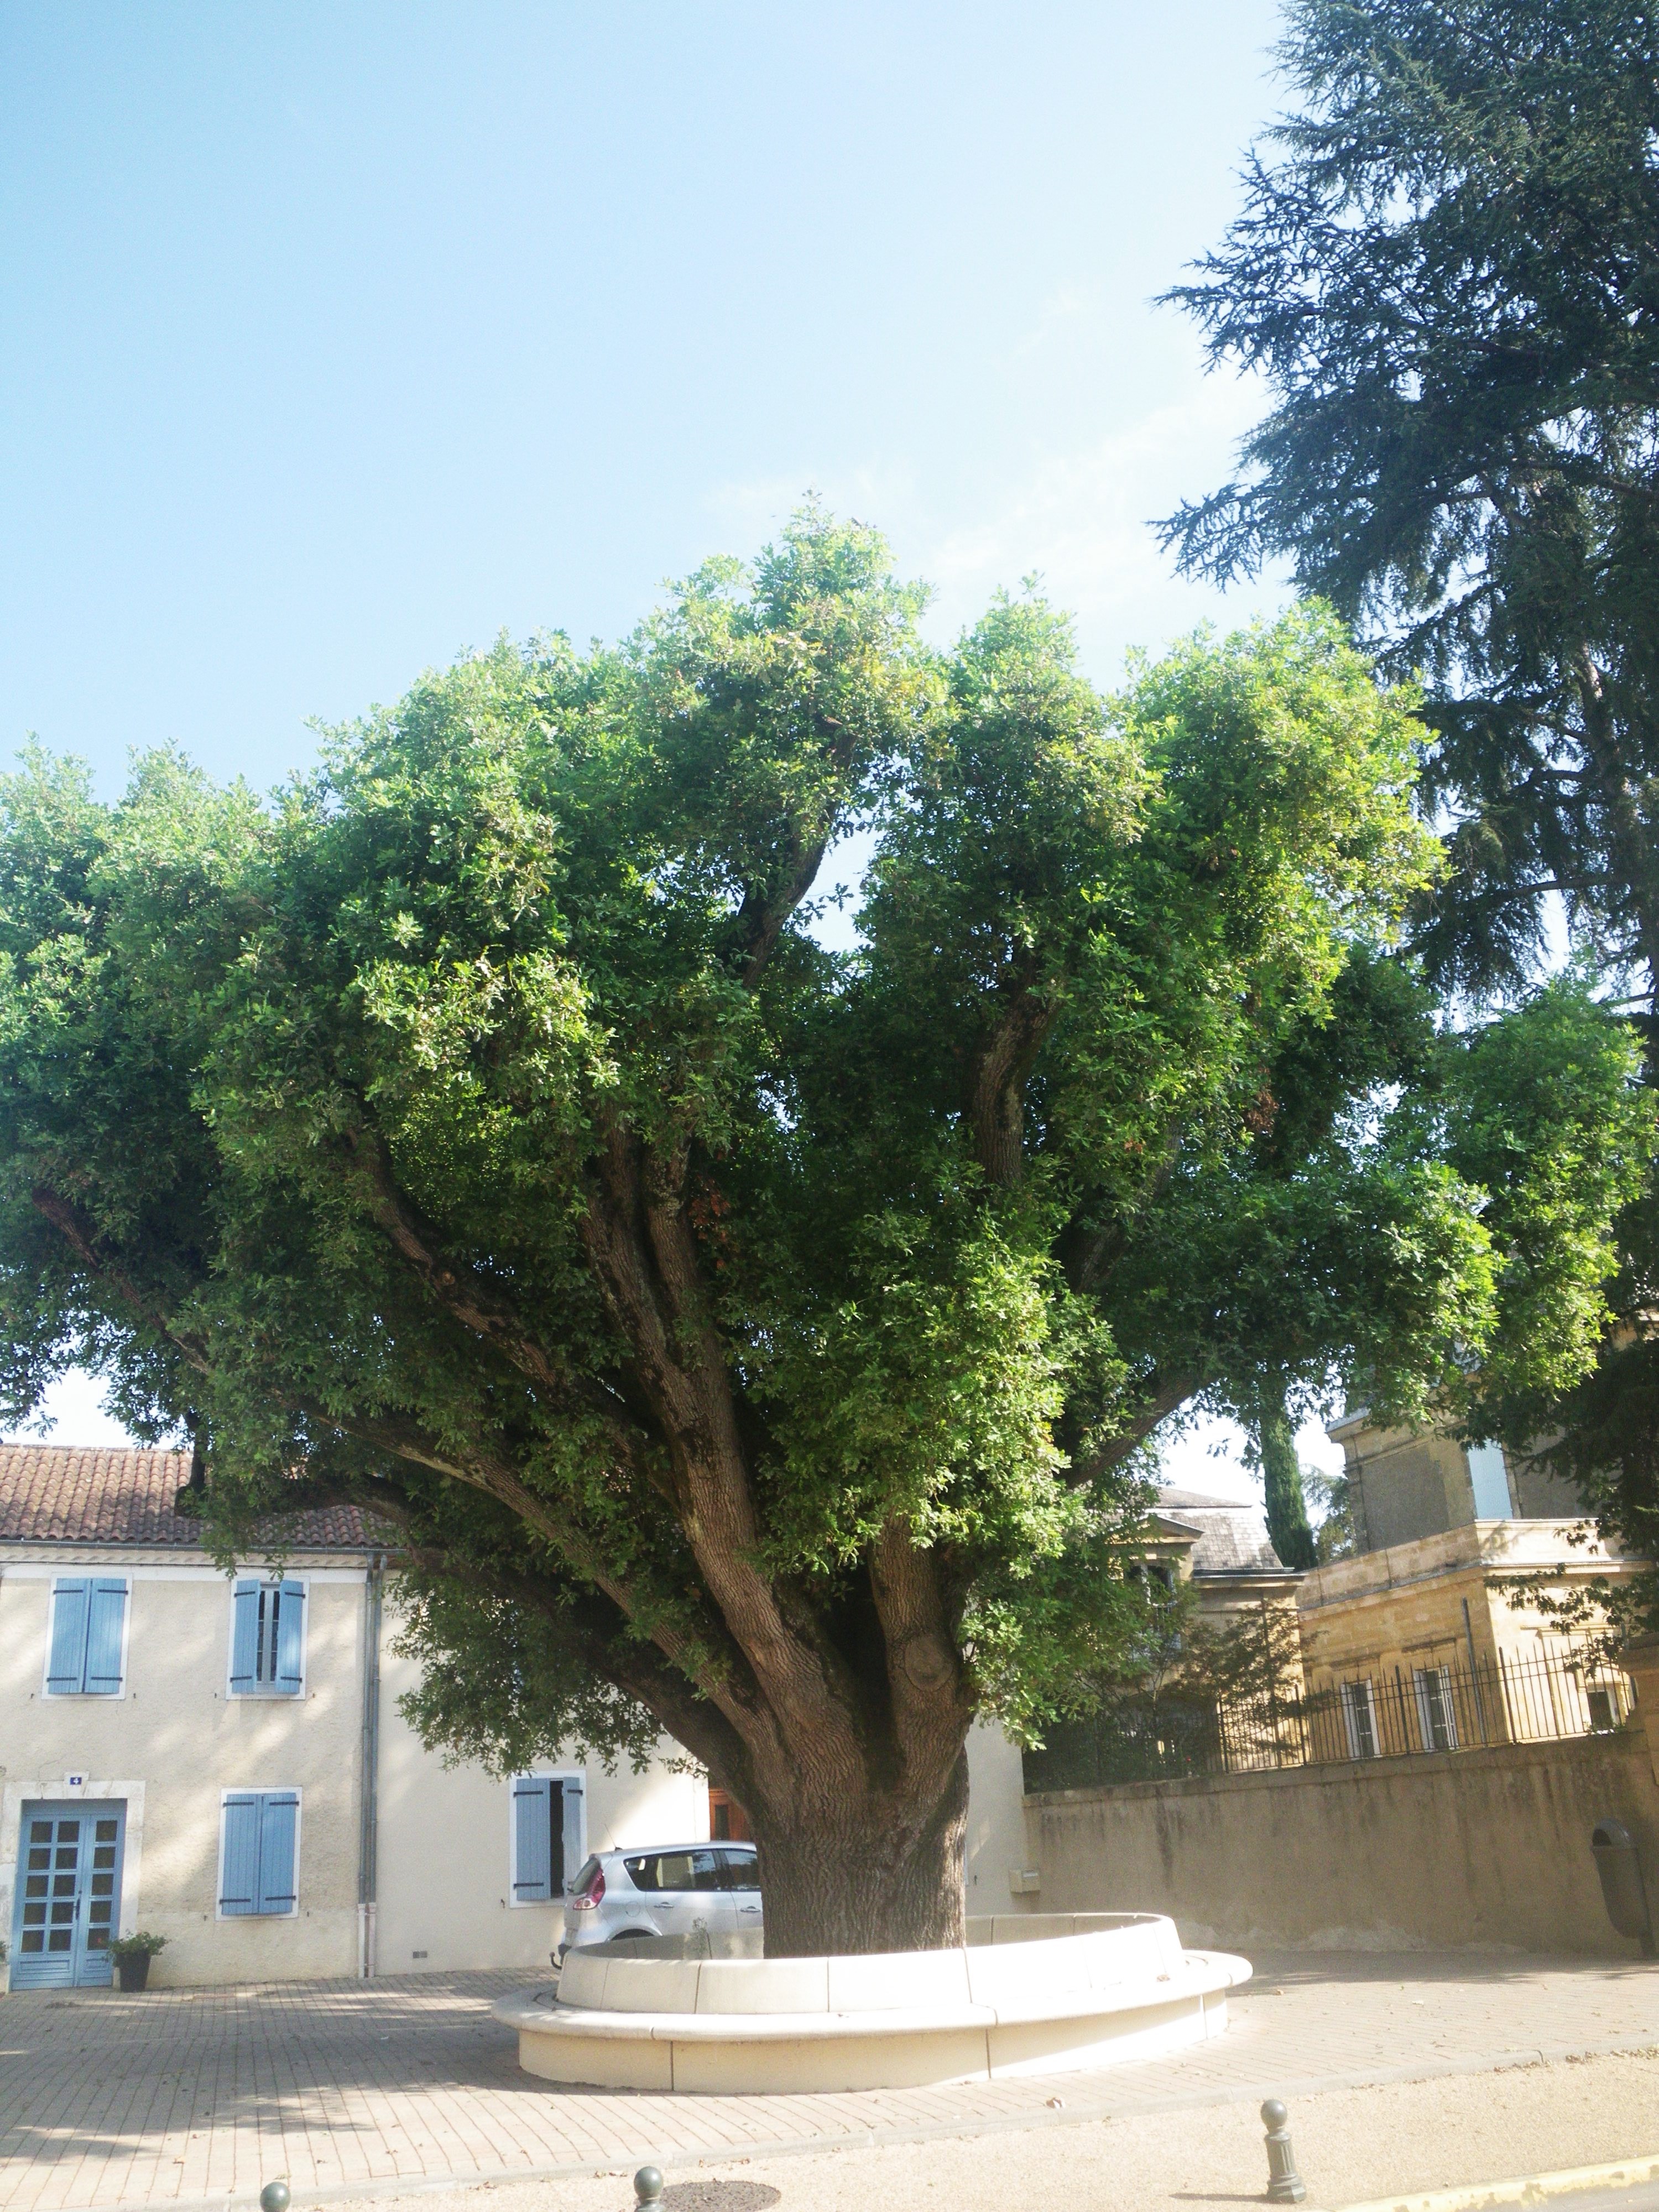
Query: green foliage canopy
x=750 y=1339
x=1447 y=269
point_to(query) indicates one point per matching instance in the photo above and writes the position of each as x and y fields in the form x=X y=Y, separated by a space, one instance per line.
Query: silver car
x=669 y=1889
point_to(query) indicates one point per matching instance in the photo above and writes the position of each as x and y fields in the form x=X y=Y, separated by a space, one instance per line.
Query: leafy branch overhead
x=749 y=1340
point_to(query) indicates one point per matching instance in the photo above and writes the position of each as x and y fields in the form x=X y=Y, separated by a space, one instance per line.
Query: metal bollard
x=647 y=2188
x=1285 y=2183
x=273 y=2198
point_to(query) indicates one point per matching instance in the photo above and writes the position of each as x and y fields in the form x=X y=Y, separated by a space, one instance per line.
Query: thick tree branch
x=762 y=916
x=924 y=1674
x=1164 y=1398
x=578 y=1626
x=484 y=1307
x=1000 y=1068
x=766 y=909
x=496 y=1478
x=644 y=1258
x=1089 y=1255
x=80 y=1233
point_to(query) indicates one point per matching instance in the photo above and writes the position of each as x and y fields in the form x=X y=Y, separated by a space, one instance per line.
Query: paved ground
x=181 y=2097
x=1354 y=2147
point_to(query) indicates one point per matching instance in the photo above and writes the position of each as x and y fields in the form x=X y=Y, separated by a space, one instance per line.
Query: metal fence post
x=1475 y=1672
x=1509 y=1702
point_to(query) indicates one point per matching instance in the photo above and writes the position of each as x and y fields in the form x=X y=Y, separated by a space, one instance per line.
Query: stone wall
x=1407 y=1482
x=1480 y=1848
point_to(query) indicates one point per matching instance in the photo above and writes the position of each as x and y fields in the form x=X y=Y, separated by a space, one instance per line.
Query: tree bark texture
x=892 y=1882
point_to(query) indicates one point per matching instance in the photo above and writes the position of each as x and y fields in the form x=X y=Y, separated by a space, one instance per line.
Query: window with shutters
x=548 y=1840
x=1437 y=1710
x=86 y=1648
x=267 y=1638
x=259 y=1853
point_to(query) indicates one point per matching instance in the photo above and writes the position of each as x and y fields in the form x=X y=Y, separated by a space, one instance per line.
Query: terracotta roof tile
x=86 y=1494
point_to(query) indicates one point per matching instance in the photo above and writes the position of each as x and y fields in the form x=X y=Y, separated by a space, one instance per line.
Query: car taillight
x=585 y=1900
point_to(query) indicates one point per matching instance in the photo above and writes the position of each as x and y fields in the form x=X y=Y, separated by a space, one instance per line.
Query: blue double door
x=69 y=1894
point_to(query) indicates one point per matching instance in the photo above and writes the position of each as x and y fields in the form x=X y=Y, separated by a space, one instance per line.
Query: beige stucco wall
x=444 y=1843
x=994 y=1845
x=1478 y=1848
x=174 y=1742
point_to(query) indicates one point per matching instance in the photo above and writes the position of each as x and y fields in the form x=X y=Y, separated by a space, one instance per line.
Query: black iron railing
x=1399 y=1712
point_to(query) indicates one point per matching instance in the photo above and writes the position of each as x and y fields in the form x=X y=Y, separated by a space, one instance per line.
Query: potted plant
x=132 y=1955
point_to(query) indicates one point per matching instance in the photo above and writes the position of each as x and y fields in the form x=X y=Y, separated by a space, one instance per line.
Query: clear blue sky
x=337 y=337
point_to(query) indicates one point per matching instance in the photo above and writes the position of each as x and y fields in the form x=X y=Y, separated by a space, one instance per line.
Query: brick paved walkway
x=183 y=2098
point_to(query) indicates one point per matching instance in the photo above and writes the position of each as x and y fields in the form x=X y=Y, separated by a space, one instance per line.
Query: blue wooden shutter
x=66 y=1669
x=107 y=1613
x=290 y=1637
x=244 y=1639
x=574 y=1827
x=239 y=1883
x=532 y=1839
x=278 y=1824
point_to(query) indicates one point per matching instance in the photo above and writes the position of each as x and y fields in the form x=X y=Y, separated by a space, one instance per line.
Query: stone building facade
x=1445 y=1609
x=1406 y=1483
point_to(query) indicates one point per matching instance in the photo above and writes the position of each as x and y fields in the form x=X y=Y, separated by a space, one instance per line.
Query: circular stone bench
x=1028 y=1993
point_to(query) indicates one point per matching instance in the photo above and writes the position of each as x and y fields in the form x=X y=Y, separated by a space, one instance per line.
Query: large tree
x=1446 y=269
x=753 y=1341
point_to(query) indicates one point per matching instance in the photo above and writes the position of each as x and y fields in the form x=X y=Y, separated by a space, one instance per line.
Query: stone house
x=1435 y=1620
x=222 y=1761
x=1221 y=1547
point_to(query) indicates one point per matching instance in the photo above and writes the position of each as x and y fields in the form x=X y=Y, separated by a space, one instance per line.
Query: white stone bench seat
x=543 y=2014
x=889 y=2020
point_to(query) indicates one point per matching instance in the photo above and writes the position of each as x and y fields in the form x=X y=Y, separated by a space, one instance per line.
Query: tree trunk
x=1287 y=1510
x=882 y=1880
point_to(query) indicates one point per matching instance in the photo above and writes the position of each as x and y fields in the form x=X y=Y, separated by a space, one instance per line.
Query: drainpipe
x=367 y=1835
